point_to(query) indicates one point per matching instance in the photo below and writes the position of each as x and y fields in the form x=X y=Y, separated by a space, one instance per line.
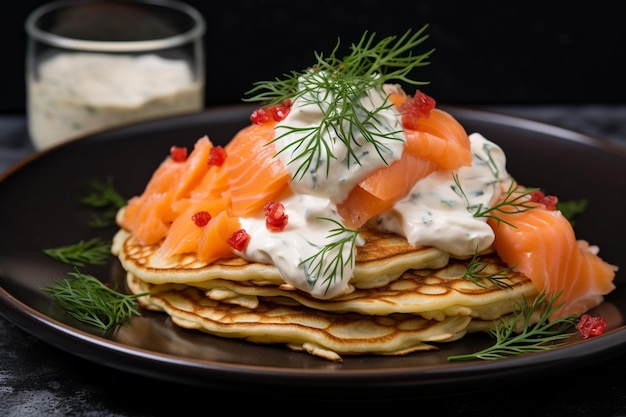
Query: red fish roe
x=201 y=218
x=547 y=200
x=217 y=156
x=275 y=217
x=239 y=240
x=590 y=326
x=178 y=153
x=414 y=108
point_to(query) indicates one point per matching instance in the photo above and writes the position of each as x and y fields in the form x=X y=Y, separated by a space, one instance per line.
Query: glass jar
x=97 y=64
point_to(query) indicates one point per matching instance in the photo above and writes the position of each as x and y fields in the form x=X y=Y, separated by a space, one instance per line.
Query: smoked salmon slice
x=542 y=245
x=149 y=215
x=184 y=235
x=443 y=144
x=251 y=175
x=255 y=174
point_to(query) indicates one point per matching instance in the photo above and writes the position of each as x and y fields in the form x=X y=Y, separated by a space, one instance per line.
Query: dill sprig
x=572 y=209
x=313 y=266
x=88 y=300
x=337 y=86
x=95 y=251
x=477 y=271
x=515 y=200
x=102 y=195
x=541 y=336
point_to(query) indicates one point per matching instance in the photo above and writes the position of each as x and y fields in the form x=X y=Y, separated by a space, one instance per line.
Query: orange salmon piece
x=255 y=174
x=184 y=235
x=543 y=246
x=194 y=168
x=144 y=217
x=443 y=144
x=213 y=244
x=382 y=188
x=441 y=139
x=142 y=213
x=149 y=215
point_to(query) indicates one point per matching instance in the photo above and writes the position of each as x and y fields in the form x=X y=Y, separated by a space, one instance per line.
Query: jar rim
x=35 y=32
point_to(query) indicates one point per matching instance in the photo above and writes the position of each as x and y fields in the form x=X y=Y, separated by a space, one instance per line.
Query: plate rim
x=62 y=335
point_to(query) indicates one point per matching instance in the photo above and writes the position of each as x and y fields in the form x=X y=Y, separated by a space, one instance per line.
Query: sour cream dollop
x=315 y=252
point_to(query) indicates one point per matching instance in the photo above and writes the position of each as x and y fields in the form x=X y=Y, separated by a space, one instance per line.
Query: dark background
x=489 y=52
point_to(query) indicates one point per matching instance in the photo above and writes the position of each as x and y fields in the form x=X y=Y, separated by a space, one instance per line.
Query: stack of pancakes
x=405 y=298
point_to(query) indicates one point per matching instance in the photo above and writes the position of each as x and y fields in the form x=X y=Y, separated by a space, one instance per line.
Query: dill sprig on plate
x=104 y=196
x=337 y=86
x=95 y=251
x=537 y=333
x=88 y=300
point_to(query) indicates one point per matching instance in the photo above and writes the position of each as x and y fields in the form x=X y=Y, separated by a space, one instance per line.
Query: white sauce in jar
x=80 y=93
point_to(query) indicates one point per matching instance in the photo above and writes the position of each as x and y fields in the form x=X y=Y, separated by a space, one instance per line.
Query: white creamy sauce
x=438 y=211
x=75 y=94
x=307 y=231
x=335 y=176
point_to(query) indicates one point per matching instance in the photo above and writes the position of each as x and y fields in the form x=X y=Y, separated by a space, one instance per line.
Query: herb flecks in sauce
x=341 y=88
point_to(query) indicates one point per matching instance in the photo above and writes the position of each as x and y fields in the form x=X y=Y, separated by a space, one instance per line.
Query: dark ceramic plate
x=39 y=210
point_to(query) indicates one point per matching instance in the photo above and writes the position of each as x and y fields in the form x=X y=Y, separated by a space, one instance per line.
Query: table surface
x=37 y=379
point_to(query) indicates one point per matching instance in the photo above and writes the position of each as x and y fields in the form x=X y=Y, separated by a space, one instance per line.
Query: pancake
x=414 y=312
x=382 y=259
x=323 y=334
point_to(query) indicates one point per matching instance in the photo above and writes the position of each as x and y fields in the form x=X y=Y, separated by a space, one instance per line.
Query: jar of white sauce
x=94 y=65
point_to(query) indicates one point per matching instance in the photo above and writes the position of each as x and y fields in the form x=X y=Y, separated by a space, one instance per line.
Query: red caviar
x=590 y=326
x=277 y=113
x=275 y=217
x=547 y=200
x=217 y=156
x=239 y=240
x=178 y=153
x=414 y=108
x=201 y=218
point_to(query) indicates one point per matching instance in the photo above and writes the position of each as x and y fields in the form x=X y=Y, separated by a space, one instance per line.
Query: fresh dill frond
x=95 y=251
x=313 y=266
x=541 y=336
x=88 y=300
x=478 y=271
x=338 y=87
x=515 y=200
x=571 y=209
x=104 y=196
x=369 y=65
